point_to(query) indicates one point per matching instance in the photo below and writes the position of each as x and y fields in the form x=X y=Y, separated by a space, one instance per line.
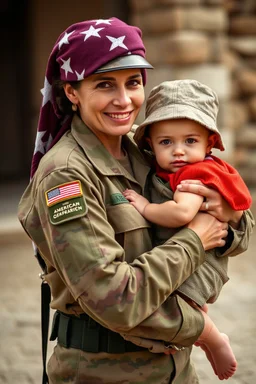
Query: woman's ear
x=70 y=92
x=211 y=142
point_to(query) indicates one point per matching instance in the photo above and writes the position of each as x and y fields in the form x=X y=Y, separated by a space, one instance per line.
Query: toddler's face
x=178 y=142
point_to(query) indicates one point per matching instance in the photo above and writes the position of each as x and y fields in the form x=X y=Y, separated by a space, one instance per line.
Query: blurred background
x=213 y=41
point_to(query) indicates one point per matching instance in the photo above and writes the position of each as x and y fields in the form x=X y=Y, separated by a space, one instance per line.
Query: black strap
x=45 y=314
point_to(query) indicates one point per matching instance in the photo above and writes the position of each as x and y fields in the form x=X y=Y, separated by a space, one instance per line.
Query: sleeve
x=205 y=284
x=125 y=297
x=240 y=237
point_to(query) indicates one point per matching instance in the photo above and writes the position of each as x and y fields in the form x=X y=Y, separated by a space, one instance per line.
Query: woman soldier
x=106 y=278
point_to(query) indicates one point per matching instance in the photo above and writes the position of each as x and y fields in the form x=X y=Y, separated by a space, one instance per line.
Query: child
x=180 y=129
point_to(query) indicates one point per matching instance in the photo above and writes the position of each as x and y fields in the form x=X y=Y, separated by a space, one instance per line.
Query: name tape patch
x=118 y=198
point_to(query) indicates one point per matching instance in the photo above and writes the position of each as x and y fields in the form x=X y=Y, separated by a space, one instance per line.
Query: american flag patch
x=63 y=192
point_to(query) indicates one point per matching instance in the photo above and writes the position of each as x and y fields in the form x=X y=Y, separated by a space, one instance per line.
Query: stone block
x=243 y=25
x=231 y=60
x=159 y=20
x=179 y=2
x=142 y=5
x=154 y=49
x=247 y=81
x=252 y=108
x=218 y=48
x=163 y=19
x=215 y=76
x=243 y=45
x=233 y=115
x=214 y=2
x=247 y=137
x=205 y=19
x=186 y=48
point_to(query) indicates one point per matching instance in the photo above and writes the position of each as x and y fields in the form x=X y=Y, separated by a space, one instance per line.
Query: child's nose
x=178 y=150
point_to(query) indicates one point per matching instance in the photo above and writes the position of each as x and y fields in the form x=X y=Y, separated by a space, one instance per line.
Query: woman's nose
x=122 y=98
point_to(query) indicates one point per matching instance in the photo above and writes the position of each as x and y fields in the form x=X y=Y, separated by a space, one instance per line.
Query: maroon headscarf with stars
x=79 y=52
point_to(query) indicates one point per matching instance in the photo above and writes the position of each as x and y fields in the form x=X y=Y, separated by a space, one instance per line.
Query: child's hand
x=138 y=201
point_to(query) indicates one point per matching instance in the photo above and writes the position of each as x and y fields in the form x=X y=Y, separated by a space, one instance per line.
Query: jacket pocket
x=125 y=218
x=132 y=231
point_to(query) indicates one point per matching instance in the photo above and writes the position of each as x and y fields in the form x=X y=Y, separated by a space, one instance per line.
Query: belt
x=86 y=334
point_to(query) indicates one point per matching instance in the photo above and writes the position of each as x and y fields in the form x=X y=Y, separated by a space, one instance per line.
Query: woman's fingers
x=198 y=182
x=196 y=187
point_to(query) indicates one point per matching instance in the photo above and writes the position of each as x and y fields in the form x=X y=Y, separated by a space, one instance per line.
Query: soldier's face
x=110 y=102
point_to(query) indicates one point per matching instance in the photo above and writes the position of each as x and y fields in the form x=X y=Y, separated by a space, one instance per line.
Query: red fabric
x=217 y=174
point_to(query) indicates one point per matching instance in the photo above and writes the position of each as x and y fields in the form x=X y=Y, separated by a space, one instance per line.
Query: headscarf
x=81 y=50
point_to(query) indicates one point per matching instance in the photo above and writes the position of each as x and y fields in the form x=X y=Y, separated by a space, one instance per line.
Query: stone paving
x=20 y=346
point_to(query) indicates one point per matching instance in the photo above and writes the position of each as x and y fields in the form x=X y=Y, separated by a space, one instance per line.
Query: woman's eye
x=134 y=83
x=103 y=85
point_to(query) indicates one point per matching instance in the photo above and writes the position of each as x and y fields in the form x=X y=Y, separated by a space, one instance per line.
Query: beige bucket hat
x=181 y=99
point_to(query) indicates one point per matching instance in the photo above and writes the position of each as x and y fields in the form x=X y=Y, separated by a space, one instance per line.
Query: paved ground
x=20 y=346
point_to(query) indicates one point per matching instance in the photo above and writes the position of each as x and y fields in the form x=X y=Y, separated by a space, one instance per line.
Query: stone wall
x=212 y=41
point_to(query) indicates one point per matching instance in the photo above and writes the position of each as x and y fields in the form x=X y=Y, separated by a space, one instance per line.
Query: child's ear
x=211 y=142
x=148 y=140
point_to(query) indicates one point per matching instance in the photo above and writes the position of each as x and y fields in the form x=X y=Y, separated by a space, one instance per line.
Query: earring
x=74 y=107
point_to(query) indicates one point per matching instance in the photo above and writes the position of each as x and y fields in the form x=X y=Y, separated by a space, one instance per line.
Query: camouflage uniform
x=97 y=248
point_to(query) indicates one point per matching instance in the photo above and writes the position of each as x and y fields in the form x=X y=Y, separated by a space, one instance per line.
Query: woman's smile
x=119 y=116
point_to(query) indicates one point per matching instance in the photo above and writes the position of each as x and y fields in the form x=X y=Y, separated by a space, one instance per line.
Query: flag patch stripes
x=63 y=192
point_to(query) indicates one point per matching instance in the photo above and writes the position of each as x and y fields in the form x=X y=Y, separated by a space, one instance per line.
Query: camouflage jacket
x=98 y=248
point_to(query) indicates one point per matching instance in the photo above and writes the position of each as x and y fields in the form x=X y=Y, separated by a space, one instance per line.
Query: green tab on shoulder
x=118 y=198
x=68 y=210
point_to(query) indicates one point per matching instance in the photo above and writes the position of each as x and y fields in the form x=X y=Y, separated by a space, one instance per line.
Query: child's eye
x=165 y=142
x=190 y=140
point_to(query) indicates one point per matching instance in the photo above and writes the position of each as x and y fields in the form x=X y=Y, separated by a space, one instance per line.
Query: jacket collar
x=101 y=159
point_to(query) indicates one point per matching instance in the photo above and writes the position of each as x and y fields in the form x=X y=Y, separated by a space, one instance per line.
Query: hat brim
x=178 y=111
x=125 y=62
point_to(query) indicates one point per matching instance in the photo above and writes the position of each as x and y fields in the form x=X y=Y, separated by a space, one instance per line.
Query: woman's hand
x=211 y=231
x=214 y=203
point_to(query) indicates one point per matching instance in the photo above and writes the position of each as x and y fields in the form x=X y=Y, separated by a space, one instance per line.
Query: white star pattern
x=64 y=39
x=103 y=21
x=46 y=91
x=66 y=66
x=91 y=32
x=117 y=42
x=80 y=76
x=40 y=145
